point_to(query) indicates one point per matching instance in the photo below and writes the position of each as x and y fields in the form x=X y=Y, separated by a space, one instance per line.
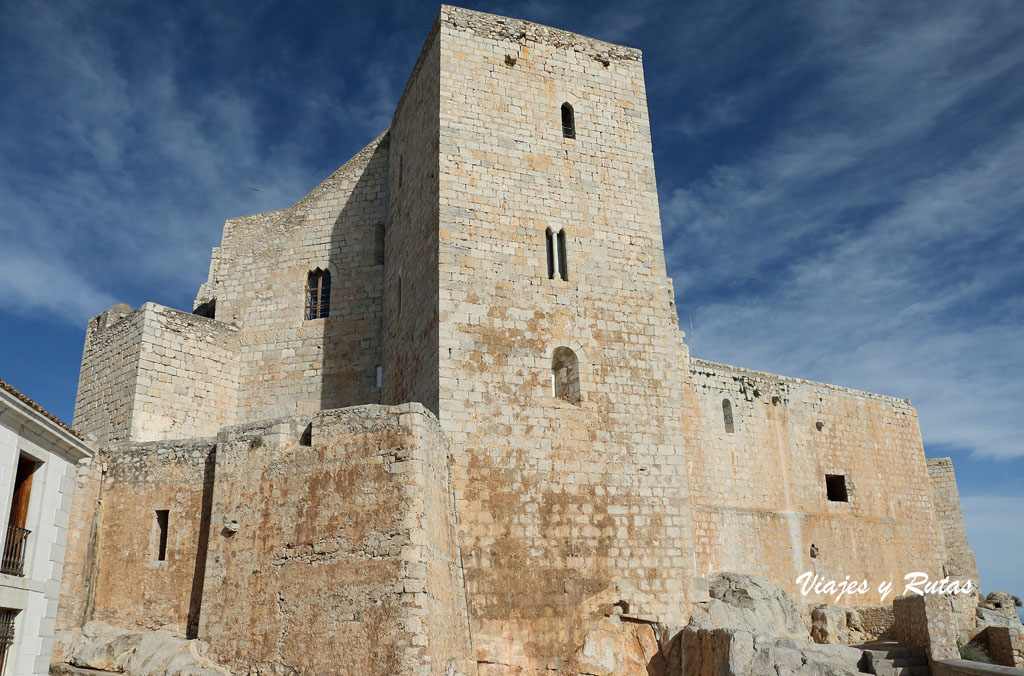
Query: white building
x=38 y=454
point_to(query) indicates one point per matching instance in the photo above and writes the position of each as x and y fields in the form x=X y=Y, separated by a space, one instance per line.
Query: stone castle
x=438 y=416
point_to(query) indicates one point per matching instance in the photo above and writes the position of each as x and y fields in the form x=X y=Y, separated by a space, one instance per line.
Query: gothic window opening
x=565 y=375
x=568 y=121
x=835 y=487
x=318 y=294
x=727 y=416
x=557 y=261
x=161 y=534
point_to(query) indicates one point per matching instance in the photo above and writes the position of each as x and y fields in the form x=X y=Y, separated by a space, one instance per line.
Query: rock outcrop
x=751 y=603
x=103 y=647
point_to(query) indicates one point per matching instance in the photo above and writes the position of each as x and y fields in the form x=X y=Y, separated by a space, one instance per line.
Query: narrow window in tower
x=380 y=377
x=161 y=534
x=568 y=121
x=318 y=294
x=563 y=268
x=401 y=170
x=565 y=375
x=378 y=245
x=727 y=415
x=551 y=252
x=399 y=300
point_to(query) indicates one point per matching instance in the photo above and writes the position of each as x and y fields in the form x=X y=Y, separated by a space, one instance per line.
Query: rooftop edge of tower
x=521 y=31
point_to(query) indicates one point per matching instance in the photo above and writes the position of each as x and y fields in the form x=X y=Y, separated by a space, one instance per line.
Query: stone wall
x=106 y=382
x=346 y=544
x=965 y=668
x=79 y=574
x=959 y=561
x=564 y=507
x=130 y=586
x=411 y=289
x=759 y=492
x=156 y=373
x=1006 y=645
x=928 y=622
x=290 y=365
x=338 y=533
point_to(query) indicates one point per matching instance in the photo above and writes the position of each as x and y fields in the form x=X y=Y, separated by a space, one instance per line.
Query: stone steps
x=896 y=660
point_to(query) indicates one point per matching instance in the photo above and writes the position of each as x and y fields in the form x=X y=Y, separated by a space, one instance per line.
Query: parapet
x=156 y=373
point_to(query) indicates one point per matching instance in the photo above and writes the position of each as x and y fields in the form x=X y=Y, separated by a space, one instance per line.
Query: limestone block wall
x=106 y=382
x=959 y=562
x=564 y=508
x=759 y=494
x=187 y=382
x=288 y=364
x=156 y=373
x=79 y=573
x=346 y=544
x=411 y=289
x=928 y=622
x=117 y=576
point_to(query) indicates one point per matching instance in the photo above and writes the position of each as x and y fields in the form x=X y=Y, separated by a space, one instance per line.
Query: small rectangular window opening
x=380 y=377
x=161 y=525
x=835 y=486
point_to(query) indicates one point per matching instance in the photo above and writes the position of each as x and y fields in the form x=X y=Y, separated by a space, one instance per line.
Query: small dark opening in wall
x=161 y=526
x=207 y=309
x=307 y=436
x=835 y=486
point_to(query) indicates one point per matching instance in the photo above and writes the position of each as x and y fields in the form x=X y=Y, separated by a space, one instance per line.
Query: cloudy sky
x=841 y=183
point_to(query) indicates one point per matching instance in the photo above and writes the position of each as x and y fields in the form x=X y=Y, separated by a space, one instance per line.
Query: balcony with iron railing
x=14 y=551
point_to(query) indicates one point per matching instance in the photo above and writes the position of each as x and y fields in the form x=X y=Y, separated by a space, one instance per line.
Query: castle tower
x=528 y=305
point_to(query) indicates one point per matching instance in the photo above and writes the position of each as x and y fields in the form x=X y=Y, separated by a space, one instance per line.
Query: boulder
x=620 y=648
x=828 y=625
x=729 y=652
x=1002 y=603
x=103 y=647
x=751 y=603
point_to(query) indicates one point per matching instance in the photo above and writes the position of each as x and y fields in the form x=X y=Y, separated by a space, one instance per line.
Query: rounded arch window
x=568 y=121
x=565 y=375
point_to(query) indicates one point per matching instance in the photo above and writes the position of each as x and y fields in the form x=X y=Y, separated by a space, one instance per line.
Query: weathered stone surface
x=620 y=648
x=1003 y=603
x=103 y=647
x=928 y=622
x=751 y=603
x=997 y=617
x=728 y=652
x=828 y=625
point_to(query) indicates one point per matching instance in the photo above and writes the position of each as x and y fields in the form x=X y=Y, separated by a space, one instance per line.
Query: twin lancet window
x=557 y=266
x=318 y=294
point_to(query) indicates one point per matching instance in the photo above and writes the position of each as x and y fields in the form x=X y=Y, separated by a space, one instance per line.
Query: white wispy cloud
x=129 y=163
x=864 y=242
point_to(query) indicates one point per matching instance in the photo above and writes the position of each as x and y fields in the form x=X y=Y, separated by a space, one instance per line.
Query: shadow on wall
x=352 y=329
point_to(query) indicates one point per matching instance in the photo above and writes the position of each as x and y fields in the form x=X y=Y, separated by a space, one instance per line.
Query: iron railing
x=14 y=551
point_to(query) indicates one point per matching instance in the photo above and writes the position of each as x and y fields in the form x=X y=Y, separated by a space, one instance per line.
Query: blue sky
x=841 y=183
